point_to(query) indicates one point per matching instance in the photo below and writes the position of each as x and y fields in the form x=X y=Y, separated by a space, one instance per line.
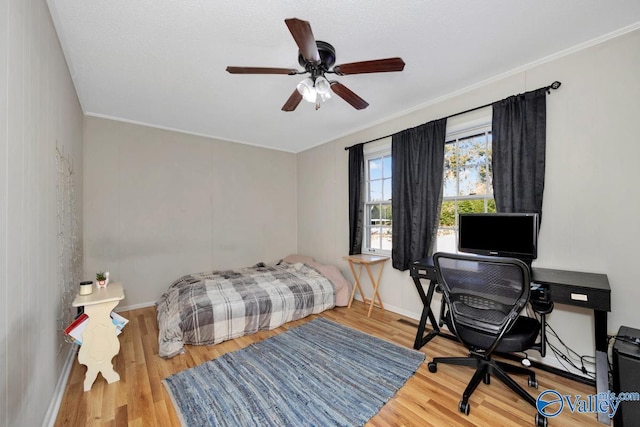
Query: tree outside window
x=467 y=185
x=467 y=188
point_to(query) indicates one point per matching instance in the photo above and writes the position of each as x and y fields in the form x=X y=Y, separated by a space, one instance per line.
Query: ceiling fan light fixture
x=322 y=85
x=306 y=89
x=325 y=96
x=311 y=96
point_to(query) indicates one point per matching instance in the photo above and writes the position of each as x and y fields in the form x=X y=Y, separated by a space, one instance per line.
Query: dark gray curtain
x=417 y=169
x=518 y=158
x=356 y=208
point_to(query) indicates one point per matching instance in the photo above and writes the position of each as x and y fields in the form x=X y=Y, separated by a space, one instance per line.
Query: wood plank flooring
x=140 y=399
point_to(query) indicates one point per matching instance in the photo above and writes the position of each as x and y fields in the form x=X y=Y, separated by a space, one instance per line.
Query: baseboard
x=398 y=310
x=136 y=306
x=58 y=393
x=405 y=313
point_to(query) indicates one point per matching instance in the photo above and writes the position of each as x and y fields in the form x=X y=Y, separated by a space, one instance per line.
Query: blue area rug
x=318 y=374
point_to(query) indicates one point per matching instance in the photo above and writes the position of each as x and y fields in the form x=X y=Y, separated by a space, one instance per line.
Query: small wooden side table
x=99 y=340
x=367 y=261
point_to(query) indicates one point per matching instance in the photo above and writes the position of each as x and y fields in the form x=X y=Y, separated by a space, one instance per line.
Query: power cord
x=625 y=338
x=581 y=359
x=565 y=358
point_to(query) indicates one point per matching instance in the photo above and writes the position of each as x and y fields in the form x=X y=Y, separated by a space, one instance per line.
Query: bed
x=208 y=308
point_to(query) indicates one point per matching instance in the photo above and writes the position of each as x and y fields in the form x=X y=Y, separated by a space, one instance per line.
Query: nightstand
x=99 y=340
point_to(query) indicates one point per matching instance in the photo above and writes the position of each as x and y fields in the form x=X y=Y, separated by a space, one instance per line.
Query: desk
x=367 y=261
x=587 y=290
x=99 y=340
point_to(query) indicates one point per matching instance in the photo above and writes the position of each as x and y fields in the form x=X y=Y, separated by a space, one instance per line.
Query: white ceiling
x=162 y=62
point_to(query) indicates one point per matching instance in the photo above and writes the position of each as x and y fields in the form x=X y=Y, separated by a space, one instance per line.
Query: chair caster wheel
x=533 y=383
x=464 y=407
x=433 y=368
x=486 y=379
x=541 y=421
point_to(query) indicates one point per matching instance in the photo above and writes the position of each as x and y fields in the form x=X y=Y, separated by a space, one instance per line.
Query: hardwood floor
x=427 y=399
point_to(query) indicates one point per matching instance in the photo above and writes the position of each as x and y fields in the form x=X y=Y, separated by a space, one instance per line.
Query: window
x=378 y=220
x=467 y=185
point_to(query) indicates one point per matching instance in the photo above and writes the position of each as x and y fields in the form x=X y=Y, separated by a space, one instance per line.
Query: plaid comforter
x=208 y=308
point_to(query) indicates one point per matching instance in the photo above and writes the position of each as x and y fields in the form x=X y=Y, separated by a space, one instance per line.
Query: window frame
x=471 y=124
x=482 y=127
x=376 y=150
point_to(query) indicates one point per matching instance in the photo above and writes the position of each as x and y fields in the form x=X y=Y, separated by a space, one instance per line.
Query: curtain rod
x=554 y=85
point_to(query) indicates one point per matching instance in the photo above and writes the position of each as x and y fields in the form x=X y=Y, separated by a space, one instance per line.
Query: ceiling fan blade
x=293 y=101
x=345 y=93
x=261 y=70
x=302 y=34
x=375 y=66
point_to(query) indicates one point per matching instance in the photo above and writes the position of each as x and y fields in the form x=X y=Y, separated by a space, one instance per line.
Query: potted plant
x=101 y=279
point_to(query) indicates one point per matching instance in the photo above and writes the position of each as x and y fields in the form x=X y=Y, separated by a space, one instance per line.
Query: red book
x=75 y=323
x=78 y=320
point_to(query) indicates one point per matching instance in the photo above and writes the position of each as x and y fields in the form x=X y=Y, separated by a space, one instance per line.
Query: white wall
x=161 y=204
x=39 y=111
x=590 y=202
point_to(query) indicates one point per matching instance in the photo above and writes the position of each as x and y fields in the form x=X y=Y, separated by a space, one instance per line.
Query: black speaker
x=626 y=375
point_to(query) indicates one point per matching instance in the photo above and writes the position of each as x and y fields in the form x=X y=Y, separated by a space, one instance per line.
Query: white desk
x=99 y=340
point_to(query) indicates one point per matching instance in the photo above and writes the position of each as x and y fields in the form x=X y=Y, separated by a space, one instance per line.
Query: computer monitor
x=500 y=234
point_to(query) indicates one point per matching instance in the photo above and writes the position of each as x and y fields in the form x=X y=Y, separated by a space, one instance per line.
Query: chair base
x=485 y=368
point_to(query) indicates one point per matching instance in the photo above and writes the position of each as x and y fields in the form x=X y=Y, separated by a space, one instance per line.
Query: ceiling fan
x=317 y=58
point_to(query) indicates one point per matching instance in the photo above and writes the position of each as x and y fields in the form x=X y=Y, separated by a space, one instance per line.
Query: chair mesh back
x=484 y=293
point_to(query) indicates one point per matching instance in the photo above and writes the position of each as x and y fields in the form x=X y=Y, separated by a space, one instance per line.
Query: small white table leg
x=99 y=344
x=100 y=338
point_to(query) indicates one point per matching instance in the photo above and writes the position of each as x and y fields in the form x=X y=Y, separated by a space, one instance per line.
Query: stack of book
x=76 y=328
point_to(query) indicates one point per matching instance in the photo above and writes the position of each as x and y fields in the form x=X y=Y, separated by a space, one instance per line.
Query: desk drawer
x=580 y=297
x=423 y=272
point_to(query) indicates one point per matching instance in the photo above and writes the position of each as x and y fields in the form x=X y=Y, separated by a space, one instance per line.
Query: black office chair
x=484 y=297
